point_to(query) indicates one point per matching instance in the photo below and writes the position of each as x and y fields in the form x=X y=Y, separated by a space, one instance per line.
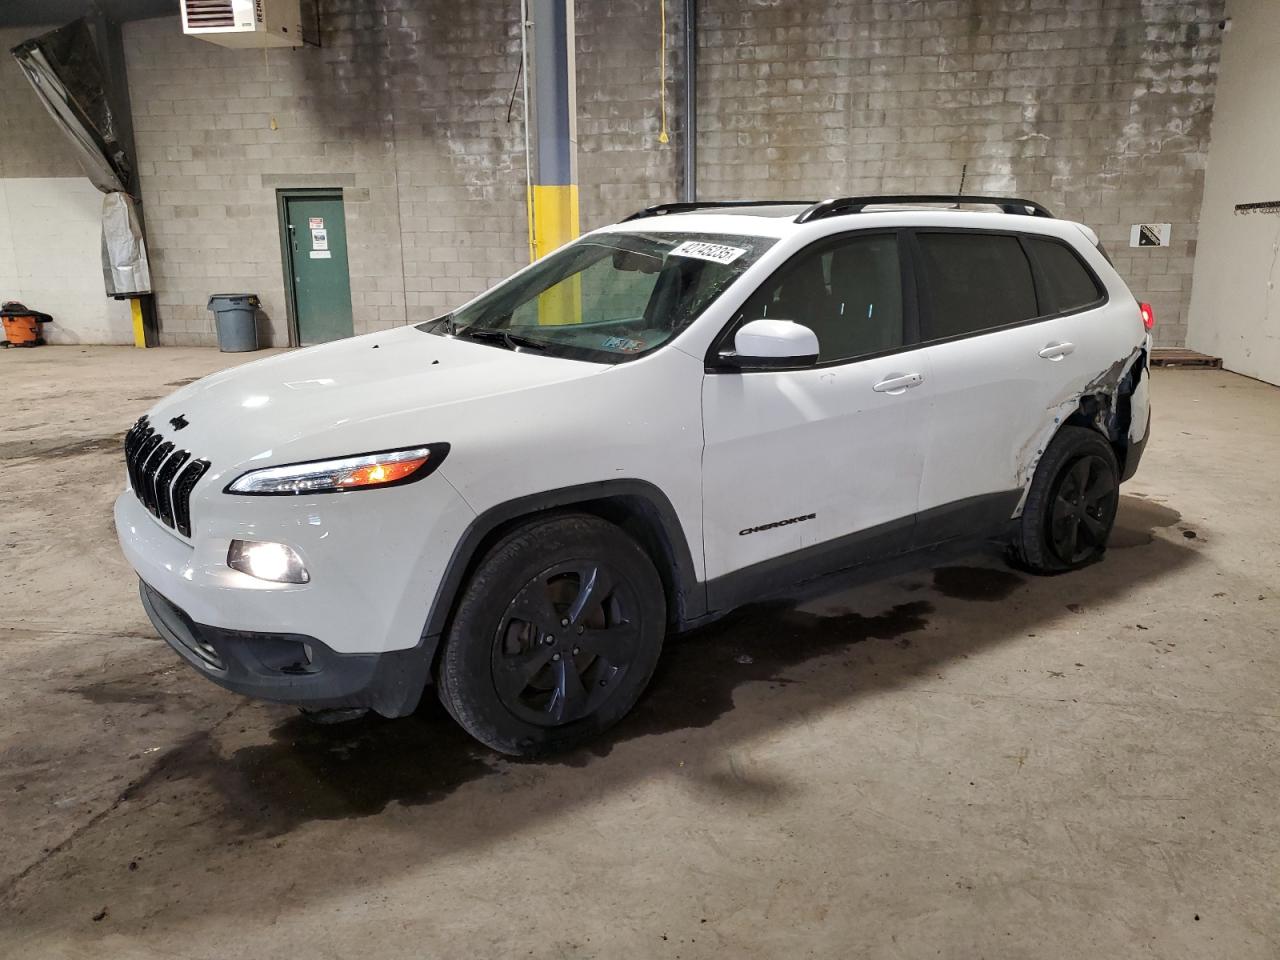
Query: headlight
x=384 y=469
x=277 y=562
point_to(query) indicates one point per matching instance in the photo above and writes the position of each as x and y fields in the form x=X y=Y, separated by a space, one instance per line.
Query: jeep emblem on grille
x=179 y=422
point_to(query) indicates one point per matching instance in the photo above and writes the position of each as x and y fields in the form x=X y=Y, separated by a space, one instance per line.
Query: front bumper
x=375 y=558
x=293 y=668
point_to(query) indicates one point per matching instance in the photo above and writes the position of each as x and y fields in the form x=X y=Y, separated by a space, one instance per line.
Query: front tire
x=1071 y=506
x=556 y=636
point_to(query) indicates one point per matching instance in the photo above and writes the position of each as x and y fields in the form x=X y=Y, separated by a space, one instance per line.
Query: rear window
x=1069 y=283
x=975 y=282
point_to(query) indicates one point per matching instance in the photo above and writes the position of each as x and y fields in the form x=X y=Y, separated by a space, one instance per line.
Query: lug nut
x=579 y=630
x=548 y=640
x=564 y=623
x=604 y=683
x=576 y=651
x=555 y=656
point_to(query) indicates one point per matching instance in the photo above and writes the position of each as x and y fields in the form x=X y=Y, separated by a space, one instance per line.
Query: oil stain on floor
x=1137 y=520
x=311 y=772
x=987 y=584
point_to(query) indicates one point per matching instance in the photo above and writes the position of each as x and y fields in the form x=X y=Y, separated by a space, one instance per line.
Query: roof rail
x=839 y=206
x=685 y=206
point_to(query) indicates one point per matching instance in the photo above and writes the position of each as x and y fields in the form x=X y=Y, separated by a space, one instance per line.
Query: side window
x=975 y=282
x=848 y=291
x=1069 y=283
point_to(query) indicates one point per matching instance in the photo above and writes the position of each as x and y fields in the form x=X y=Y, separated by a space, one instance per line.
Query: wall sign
x=1150 y=234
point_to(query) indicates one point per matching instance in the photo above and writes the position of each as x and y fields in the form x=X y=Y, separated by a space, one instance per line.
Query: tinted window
x=974 y=282
x=849 y=292
x=1069 y=284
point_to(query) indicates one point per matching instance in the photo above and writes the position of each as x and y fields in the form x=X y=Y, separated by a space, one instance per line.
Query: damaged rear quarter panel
x=1115 y=401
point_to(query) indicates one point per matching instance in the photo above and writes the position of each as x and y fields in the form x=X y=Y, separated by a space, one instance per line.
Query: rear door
x=1004 y=357
x=820 y=463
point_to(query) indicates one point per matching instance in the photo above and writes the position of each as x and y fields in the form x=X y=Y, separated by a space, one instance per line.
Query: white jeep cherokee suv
x=665 y=419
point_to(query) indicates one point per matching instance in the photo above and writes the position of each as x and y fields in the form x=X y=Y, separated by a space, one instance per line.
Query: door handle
x=899 y=384
x=1056 y=351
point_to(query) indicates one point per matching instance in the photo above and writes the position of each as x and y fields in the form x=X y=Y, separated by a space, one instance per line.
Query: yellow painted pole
x=553 y=196
x=139 y=331
x=555 y=216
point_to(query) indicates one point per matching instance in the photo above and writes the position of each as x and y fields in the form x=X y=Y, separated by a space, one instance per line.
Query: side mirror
x=772 y=343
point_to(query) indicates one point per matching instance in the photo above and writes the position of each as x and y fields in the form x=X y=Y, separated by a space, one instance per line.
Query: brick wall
x=1099 y=108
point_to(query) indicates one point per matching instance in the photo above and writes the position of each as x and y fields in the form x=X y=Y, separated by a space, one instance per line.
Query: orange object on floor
x=22 y=326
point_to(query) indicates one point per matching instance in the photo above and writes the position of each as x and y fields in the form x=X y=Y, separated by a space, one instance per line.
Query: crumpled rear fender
x=1116 y=402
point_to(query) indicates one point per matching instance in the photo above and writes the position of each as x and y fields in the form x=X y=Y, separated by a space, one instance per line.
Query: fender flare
x=688 y=593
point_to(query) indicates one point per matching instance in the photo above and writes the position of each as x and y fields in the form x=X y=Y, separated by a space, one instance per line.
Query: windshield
x=607 y=298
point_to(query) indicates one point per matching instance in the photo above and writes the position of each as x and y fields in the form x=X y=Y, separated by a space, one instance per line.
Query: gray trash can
x=236 y=317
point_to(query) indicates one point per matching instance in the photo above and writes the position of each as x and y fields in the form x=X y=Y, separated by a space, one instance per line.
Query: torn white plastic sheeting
x=124 y=252
x=53 y=93
x=65 y=73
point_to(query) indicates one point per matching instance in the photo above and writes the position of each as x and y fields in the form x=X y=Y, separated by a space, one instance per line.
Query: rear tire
x=556 y=636
x=1071 y=506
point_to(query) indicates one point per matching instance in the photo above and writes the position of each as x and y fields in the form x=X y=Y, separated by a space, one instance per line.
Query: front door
x=818 y=466
x=316 y=243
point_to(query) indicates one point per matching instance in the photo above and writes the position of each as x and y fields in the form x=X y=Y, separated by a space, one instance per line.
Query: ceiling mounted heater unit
x=244 y=23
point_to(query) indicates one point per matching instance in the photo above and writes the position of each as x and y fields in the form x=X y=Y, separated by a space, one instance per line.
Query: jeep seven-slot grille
x=161 y=475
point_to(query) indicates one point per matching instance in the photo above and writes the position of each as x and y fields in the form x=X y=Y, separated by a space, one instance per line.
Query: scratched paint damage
x=1116 y=402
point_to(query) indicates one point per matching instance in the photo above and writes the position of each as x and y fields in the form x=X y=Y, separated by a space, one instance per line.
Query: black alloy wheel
x=556 y=634
x=565 y=643
x=1084 y=507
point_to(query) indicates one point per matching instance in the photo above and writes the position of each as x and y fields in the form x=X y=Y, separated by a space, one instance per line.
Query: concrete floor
x=960 y=763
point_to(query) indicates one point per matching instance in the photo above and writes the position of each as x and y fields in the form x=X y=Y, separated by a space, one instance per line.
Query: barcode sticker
x=701 y=250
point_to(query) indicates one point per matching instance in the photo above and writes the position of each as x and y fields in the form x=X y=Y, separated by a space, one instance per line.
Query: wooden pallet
x=1178 y=357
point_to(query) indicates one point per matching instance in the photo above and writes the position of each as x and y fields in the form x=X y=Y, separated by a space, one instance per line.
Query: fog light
x=267 y=561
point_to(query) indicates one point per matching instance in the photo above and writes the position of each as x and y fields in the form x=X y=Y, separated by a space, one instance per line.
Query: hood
x=375 y=392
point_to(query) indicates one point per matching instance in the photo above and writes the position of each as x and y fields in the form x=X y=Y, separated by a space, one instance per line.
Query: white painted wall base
x=1235 y=300
x=51 y=260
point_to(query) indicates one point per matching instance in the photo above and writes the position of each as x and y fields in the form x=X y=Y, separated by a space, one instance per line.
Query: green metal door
x=316 y=243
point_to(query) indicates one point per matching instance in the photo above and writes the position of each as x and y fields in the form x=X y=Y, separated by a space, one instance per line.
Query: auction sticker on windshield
x=701 y=250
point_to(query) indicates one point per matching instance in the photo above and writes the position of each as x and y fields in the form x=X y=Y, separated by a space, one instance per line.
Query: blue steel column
x=553 y=200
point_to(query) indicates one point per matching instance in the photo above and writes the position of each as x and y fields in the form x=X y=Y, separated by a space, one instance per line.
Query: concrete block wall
x=622 y=164
x=1098 y=108
x=403 y=107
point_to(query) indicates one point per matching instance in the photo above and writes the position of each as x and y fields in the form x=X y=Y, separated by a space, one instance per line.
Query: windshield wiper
x=509 y=340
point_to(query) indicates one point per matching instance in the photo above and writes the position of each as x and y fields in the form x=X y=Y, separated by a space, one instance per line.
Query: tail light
x=1148 y=315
